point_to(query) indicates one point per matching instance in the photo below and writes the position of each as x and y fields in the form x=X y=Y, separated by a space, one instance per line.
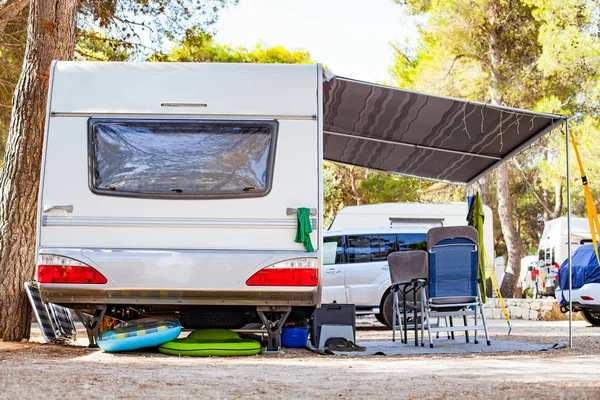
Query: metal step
x=56 y=322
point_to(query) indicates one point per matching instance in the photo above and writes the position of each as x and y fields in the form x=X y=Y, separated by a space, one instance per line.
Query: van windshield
x=183 y=158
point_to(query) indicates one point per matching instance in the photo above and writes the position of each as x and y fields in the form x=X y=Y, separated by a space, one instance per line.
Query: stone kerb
x=546 y=309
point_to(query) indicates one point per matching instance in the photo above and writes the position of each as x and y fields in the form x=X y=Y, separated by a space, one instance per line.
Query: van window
x=333 y=250
x=388 y=245
x=412 y=241
x=181 y=158
x=363 y=248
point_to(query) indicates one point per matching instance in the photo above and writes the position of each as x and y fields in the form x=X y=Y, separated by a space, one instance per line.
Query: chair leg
x=487 y=337
x=475 y=314
x=394 y=311
x=466 y=330
x=405 y=316
x=427 y=316
x=451 y=326
x=446 y=324
x=437 y=334
x=415 y=316
x=423 y=320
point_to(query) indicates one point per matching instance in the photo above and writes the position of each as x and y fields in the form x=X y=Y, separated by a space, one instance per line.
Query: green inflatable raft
x=211 y=342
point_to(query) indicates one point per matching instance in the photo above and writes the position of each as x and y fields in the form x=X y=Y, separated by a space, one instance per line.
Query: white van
x=356 y=246
x=553 y=250
x=173 y=189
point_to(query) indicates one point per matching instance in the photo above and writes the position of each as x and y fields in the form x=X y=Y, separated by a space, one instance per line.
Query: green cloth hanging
x=304 y=228
x=475 y=219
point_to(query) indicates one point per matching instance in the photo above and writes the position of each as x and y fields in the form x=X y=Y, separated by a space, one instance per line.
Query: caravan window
x=181 y=158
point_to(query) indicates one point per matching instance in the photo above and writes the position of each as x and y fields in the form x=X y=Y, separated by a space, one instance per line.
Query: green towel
x=304 y=229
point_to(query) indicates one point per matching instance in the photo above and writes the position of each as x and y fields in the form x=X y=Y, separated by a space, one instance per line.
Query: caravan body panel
x=173 y=180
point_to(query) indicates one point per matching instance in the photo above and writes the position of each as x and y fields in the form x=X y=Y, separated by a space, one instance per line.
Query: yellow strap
x=496 y=287
x=589 y=202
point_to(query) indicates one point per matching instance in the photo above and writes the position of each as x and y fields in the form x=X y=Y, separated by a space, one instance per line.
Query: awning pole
x=569 y=236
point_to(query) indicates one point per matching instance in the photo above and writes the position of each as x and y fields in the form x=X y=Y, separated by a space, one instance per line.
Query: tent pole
x=569 y=236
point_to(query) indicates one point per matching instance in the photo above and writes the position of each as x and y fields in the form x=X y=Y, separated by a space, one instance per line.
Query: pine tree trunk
x=558 y=201
x=354 y=186
x=51 y=35
x=511 y=236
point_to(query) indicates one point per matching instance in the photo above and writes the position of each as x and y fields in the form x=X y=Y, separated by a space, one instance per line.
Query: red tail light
x=68 y=274
x=297 y=272
x=58 y=269
x=587 y=298
x=285 y=277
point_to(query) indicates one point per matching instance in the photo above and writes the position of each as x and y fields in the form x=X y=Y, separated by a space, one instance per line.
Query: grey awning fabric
x=427 y=136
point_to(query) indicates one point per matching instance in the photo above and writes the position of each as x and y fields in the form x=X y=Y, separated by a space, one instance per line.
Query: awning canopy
x=407 y=132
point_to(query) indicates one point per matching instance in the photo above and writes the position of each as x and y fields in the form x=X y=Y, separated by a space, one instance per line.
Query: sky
x=351 y=37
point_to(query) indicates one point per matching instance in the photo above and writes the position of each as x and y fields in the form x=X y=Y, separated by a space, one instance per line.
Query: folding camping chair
x=408 y=273
x=453 y=280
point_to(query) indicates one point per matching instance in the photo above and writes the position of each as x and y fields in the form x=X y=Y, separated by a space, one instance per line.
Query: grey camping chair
x=408 y=273
x=453 y=280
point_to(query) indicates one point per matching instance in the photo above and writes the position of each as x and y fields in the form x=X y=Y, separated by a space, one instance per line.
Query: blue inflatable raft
x=139 y=333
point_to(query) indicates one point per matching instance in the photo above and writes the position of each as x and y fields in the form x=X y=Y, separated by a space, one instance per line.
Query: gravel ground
x=36 y=370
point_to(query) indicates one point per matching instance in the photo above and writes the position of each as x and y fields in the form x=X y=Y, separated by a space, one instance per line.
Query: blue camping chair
x=453 y=281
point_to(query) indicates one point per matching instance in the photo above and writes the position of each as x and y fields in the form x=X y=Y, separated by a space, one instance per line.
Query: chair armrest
x=414 y=282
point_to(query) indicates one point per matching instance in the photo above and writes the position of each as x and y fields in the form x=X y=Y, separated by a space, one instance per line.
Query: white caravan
x=360 y=238
x=553 y=249
x=172 y=188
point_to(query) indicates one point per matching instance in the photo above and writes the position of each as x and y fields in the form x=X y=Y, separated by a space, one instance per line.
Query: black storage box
x=332 y=314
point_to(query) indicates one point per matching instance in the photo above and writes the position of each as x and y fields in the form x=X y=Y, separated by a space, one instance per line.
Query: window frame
x=273 y=124
x=343 y=247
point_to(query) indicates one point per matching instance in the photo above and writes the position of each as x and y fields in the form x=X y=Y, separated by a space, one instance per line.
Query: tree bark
x=354 y=186
x=484 y=188
x=511 y=236
x=558 y=200
x=51 y=35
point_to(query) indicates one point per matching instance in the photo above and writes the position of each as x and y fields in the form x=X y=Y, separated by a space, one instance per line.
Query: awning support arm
x=569 y=234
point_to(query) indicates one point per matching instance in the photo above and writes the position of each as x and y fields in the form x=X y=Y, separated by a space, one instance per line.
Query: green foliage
x=540 y=54
x=199 y=46
x=386 y=188
x=94 y=46
x=141 y=26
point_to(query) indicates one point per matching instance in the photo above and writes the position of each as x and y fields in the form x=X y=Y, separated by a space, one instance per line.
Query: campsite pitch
x=34 y=370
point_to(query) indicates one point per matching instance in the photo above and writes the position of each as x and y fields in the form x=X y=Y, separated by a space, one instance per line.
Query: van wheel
x=381 y=319
x=387 y=308
x=591 y=317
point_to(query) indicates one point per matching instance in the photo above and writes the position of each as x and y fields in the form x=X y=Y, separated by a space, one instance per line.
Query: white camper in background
x=553 y=249
x=360 y=238
x=173 y=189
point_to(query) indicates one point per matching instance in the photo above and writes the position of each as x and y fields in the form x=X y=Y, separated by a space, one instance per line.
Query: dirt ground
x=41 y=371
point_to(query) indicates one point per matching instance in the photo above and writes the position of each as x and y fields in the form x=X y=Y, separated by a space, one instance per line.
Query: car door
x=367 y=271
x=333 y=271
